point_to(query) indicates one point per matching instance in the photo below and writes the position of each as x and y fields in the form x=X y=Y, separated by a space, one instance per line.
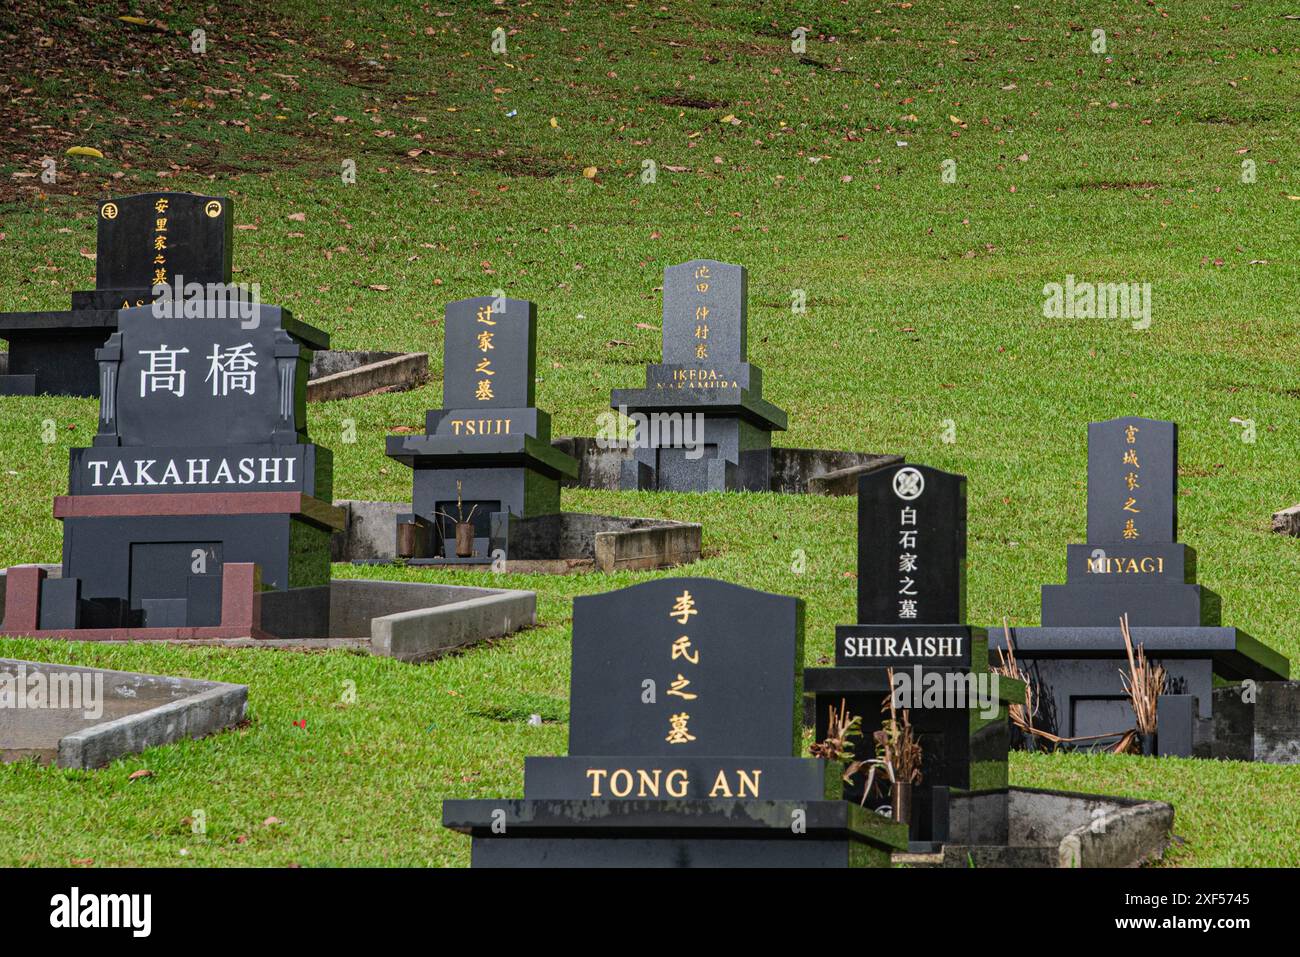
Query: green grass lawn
x=924 y=315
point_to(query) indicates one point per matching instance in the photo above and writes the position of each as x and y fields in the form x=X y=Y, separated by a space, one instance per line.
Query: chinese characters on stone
x=702 y=278
x=679 y=723
x=483 y=391
x=907 y=562
x=232 y=369
x=1131 y=481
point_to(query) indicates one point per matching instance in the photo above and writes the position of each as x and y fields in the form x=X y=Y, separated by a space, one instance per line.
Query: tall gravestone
x=705 y=372
x=202 y=509
x=683 y=742
x=143 y=241
x=486 y=458
x=911 y=618
x=1133 y=564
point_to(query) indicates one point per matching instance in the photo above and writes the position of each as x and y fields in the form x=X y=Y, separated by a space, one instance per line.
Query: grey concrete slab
x=89 y=717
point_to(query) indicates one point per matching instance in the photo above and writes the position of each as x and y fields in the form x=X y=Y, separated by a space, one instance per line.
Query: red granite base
x=241 y=611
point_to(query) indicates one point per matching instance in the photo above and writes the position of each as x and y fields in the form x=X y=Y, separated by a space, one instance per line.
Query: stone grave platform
x=1133 y=566
x=560 y=543
x=1029 y=827
x=345 y=374
x=792 y=471
x=410 y=621
x=89 y=717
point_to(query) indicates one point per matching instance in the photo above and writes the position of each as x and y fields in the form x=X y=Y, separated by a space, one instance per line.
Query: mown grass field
x=924 y=317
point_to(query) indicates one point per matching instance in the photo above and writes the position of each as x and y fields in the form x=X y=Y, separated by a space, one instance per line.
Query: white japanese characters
x=232 y=369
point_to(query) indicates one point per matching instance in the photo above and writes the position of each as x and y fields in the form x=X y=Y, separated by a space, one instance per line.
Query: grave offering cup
x=485 y=459
x=702 y=422
x=683 y=742
x=911 y=624
x=1133 y=565
x=143 y=241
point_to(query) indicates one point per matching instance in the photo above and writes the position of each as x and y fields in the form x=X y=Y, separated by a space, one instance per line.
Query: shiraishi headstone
x=683 y=736
x=486 y=458
x=1132 y=565
x=911 y=620
x=702 y=421
x=143 y=242
x=911 y=546
x=202 y=510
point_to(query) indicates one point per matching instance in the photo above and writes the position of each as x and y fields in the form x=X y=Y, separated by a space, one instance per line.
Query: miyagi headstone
x=703 y=424
x=683 y=736
x=486 y=456
x=143 y=241
x=202 y=509
x=911 y=619
x=1132 y=564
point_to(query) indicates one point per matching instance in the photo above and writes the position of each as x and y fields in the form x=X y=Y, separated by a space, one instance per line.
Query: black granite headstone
x=486 y=458
x=201 y=460
x=489 y=354
x=688 y=666
x=911 y=546
x=683 y=736
x=911 y=612
x=1132 y=566
x=705 y=377
x=152 y=238
x=1132 y=481
x=178 y=239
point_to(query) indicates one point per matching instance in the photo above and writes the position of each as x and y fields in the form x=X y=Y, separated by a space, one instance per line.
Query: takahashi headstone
x=202 y=509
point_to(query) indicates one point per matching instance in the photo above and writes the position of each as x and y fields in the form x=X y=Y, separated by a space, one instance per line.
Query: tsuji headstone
x=486 y=456
x=489 y=354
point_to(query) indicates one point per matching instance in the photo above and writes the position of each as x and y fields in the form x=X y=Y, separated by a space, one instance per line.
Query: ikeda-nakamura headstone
x=911 y=620
x=486 y=458
x=202 y=510
x=143 y=241
x=683 y=742
x=1132 y=564
x=702 y=423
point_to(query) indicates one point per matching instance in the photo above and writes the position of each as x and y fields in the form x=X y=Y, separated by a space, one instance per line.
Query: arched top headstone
x=150 y=239
x=686 y=666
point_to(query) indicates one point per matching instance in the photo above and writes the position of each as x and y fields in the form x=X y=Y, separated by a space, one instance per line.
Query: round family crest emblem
x=213 y=209
x=908 y=484
x=109 y=210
